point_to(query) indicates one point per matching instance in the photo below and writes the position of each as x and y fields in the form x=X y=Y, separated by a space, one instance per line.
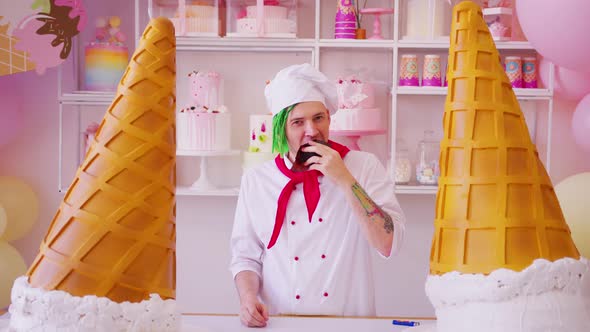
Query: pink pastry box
x=190 y=17
x=261 y=18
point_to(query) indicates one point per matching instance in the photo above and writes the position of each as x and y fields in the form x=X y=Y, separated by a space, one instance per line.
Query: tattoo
x=373 y=211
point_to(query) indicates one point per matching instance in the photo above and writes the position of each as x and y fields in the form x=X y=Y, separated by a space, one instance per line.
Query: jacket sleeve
x=380 y=187
x=246 y=247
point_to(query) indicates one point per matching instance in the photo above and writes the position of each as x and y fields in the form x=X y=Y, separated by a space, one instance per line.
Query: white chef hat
x=297 y=84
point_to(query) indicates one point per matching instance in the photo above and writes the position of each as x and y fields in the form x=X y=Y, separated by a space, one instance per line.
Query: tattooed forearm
x=372 y=210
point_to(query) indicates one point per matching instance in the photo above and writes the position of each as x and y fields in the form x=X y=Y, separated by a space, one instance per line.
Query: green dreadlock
x=279 y=136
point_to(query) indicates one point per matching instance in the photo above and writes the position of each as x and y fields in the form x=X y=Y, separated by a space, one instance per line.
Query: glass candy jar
x=427 y=168
x=403 y=165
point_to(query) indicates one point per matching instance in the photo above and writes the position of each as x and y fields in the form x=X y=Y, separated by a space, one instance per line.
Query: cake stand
x=355 y=135
x=377 y=23
x=203 y=184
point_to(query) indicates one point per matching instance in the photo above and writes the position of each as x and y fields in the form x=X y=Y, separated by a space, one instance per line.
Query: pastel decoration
x=115 y=21
x=514 y=70
x=12 y=12
x=11 y=116
x=21 y=206
x=21 y=61
x=114 y=233
x=345 y=22
x=558 y=30
x=12 y=265
x=106 y=57
x=101 y=22
x=529 y=72
x=496 y=207
x=568 y=84
x=431 y=70
x=408 y=69
x=581 y=124
x=37 y=46
x=573 y=193
x=3 y=221
x=37 y=34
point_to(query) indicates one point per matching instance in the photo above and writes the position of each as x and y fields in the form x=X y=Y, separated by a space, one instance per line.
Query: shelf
x=497 y=11
x=385 y=44
x=191 y=153
x=348 y=133
x=442 y=91
x=444 y=44
x=416 y=189
x=188 y=191
x=87 y=98
x=243 y=44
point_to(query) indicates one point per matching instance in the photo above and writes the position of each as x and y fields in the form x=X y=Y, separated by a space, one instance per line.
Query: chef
x=304 y=231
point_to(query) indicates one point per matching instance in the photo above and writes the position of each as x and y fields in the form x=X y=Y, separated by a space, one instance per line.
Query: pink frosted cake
x=356 y=106
x=197 y=20
x=205 y=125
x=107 y=57
x=260 y=136
x=276 y=21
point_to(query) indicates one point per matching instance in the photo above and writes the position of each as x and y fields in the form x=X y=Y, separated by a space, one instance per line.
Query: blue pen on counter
x=405 y=322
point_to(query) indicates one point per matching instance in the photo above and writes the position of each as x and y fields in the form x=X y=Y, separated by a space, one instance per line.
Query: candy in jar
x=403 y=165
x=427 y=167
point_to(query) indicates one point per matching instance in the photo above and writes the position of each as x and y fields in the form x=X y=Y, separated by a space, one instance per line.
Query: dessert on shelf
x=106 y=57
x=260 y=140
x=356 y=106
x=205 y=124
x=268 y=18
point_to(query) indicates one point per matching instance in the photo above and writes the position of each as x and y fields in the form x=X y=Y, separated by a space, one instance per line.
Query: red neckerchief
x=311 y=190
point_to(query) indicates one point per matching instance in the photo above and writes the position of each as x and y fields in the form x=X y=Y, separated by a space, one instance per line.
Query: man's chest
x=329 y=222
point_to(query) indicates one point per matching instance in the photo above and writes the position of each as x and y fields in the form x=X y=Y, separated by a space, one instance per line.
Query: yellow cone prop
x=495 y=207
x=114 y=234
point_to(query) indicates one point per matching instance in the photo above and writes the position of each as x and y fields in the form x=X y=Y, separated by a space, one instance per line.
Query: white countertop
x=230 y=323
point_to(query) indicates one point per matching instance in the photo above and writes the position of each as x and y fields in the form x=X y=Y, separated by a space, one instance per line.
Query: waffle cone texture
x=495 y=206
x=11 y=60
x=114 y=234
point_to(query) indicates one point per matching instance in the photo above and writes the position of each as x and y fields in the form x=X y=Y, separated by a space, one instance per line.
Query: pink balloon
x=558 y=30
x=11 y=120
x=569 y=84
x=581 y=124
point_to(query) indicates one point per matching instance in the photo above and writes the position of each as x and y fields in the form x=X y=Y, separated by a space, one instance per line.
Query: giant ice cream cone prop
x=502 y=256
x=114 y=235
x=495 y=207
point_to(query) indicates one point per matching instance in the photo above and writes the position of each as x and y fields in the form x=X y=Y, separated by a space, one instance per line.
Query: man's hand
x=330 y=164
x=253 y=313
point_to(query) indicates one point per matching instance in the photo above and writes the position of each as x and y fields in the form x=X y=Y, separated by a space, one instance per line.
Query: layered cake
x=260 y=137
x=356 y=106
x=502 y=257
x=106 y=57
x=196 y=20
x=204 y=125
x=276 y=21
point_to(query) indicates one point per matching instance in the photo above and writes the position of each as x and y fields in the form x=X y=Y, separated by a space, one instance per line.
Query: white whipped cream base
x=35 y=309
x=546 y=296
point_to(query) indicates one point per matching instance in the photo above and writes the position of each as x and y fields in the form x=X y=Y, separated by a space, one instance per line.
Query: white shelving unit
x=316 y=46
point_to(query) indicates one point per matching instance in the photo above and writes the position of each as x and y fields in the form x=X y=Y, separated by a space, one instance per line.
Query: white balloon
x=12 y=266
x=21 y=205
x=573 y=193
x=2 y=220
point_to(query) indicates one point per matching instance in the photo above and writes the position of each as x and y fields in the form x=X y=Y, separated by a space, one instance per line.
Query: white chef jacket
x=318 y=268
